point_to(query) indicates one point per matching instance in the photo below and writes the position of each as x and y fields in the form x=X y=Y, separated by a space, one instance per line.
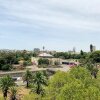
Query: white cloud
x=50 y=17
x=54 y=13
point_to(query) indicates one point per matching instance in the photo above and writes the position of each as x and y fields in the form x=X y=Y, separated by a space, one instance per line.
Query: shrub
x=25 y=63
x=43 y=61
x=7 y=67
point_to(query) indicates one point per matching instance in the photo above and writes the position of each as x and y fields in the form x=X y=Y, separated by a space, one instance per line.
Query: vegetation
x=5 y=83
x=66 y=55
x=39 y=80
x=9 y=58
x=27 y=77
x=13 y=93
x=42 y=61
x=81 y=82
x=73 y=85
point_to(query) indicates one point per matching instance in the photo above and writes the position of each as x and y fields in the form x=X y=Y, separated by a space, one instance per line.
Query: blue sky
x=56 y=24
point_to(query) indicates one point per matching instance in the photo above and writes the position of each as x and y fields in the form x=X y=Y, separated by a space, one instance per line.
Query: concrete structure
x=34 y=60
x=94 y=48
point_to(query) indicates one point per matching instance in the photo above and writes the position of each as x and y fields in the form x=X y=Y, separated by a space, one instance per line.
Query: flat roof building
x=45 y=55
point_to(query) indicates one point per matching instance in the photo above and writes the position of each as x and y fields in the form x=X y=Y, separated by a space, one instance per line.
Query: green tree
x=72 y=91
x=6 y=67
x=81 y=52
x=95 y=57
x=56 y=83
x=5 y=83
x=39 y=80
x=27 y=77
x=43 y=61
x=80 y=73
x=76 y=91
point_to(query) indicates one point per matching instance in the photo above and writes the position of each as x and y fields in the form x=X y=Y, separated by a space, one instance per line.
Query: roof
x=45 y=55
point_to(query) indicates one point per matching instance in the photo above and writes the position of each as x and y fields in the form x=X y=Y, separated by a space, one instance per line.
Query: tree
x=6 y=67
x=80 y=73
x=74 y=85
x=5 y=83
x=43 y=61
x=13 y=93
x=72 y=91
x=95 y=57
x=27 y=77
x=77 y=91
x=2 y=62
x=39 y=80
x=81 y=52
x=56 y=83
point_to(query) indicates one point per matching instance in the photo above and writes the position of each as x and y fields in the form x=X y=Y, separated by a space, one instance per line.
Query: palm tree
x=13 y=93
x=27 y=77
x=5 y=83
x=39 y=81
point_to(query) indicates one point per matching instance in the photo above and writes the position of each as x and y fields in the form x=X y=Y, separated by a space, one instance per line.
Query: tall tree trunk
x=27 y=84
x=5 y=94
x=38 y=88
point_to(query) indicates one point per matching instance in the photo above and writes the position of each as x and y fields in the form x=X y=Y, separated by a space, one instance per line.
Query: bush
x=76 y=84
x=25 y=63
x=43 y=61
x=7 y=67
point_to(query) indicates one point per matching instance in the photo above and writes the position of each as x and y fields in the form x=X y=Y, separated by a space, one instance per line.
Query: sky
x=56 y=24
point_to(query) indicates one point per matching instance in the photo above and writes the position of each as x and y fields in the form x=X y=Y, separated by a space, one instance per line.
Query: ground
x=22 y=91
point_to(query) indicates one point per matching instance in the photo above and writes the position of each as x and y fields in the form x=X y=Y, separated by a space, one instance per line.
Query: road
x=34 y=69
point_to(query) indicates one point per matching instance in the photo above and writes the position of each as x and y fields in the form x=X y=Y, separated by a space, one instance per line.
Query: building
x=92 y=48
x=45 y=55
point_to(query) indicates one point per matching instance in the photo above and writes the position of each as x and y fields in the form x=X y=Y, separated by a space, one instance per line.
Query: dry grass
x=22 y=91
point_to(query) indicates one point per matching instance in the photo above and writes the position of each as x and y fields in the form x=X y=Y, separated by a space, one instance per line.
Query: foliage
x=95 y=56
x=80 y=73
x=6 y=67
x=55 y=84
x=25 y=63
x=5 y=83
x=39 y=80
x=27 y=77
x=43 y=61
x=13 y=93
x=10 y=57
x=73 y=85
x=66 y=55
x=77 y=84
x=77 y=91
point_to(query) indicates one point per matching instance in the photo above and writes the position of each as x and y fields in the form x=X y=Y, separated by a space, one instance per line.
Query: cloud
x=66 y=13
x=50 y=19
